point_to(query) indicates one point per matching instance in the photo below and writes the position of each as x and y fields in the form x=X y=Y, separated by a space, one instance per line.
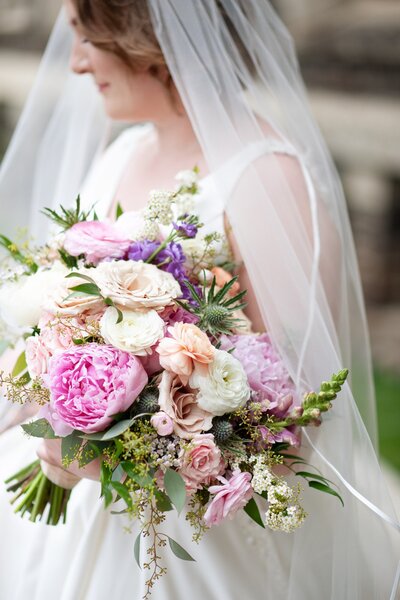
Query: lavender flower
x=186 y=230
x=142 y=250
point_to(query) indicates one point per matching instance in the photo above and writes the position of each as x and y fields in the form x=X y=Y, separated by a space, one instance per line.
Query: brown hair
x=123 y=27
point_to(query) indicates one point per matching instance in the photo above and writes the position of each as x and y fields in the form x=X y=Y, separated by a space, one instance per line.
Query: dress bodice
x=102 y=182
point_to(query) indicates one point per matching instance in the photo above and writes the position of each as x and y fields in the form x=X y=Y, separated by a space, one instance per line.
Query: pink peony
x=162 y=423
x=265 y=370
x=186 y=346
x=180 y=403
x=37 y=356
x=229 y=497
x=96 y=240
x=89 y=385
x=201 y=462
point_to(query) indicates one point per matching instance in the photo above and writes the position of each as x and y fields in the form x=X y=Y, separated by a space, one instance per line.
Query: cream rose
x=180 y=404
x=136 y=285
x=22 y=301
x=136 y=333
x=64 y=302
x=223 y=387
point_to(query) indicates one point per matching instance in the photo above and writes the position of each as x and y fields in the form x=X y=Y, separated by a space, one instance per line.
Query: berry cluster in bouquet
x=139 y=356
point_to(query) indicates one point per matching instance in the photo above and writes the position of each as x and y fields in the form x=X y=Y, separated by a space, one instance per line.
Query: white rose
x=136 y=333
x=21 y=302
x=223 y=387
x=136 y=285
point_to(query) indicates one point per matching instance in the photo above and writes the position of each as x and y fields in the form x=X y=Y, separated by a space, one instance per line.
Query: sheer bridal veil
x=234 y=66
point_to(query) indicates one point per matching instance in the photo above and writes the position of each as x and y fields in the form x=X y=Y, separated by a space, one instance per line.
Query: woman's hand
x=49 y=451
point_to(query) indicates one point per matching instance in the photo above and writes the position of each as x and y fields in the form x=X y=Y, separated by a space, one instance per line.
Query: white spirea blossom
x=187 y=178
x=280 y=493
x=285 y=518
x=262 y=476
x=185 y=204
x=159 y=208
x=136 y=333
x=223 y=387
x=21 y=301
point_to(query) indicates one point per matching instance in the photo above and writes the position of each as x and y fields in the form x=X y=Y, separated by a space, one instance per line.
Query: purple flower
x=186 y=230
x=142 y=250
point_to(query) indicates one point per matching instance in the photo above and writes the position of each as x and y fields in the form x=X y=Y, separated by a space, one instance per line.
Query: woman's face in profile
x=127 y=95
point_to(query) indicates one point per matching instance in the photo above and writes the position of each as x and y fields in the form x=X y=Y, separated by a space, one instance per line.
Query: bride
x=211 y=83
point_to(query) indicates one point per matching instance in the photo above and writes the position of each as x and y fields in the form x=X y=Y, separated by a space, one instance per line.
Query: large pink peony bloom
x=88 y=385
x=229 y=497
x=96 y=240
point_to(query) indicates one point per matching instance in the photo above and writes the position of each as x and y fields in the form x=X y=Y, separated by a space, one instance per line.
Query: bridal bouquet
x=139 y=356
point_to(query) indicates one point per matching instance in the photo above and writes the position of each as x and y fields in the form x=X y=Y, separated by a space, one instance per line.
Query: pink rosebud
x=229 y=497
x=162 y=423
x=97 y=240
x=201 y=462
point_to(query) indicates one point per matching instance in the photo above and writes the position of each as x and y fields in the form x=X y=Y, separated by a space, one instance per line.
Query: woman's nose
x=79 y=61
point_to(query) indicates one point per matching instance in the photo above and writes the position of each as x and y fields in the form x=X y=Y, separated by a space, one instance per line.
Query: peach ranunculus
x=136 y=285
x=180 y=404
x=201 y=462
x=188 y=345
x=222 y=277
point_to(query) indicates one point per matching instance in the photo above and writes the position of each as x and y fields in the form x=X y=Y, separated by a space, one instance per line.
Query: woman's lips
x=103 y=86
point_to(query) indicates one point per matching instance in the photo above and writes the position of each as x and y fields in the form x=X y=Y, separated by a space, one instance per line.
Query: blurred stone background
x=349 y=51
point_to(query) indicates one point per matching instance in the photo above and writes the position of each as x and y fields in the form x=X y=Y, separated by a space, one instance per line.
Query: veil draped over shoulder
x=235 y=68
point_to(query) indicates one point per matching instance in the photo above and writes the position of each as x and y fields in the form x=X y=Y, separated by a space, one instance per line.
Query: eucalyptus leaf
x=70 y=446
x=136 y=549
x=20 y=365
x=113 y=432
x=253 y=511
x=107 y=495
x=89 y=453
x=179 y=551
x=122 y=491
x=175 y=488
x=40 y=428
x=118 y=474
x=317 y=485
x=307 y=475
x=163 y=502
x=80 y=276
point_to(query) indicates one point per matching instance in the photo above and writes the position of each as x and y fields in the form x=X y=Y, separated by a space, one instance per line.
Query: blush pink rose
x=97 y=240
x=89 y=385
x=201 y=462
x=37 y=356
x=180 y=403
x=186 y=345
x=229 y=497
x=162 y=423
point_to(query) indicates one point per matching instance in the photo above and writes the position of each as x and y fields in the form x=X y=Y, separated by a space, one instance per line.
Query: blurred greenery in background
x=388 y=405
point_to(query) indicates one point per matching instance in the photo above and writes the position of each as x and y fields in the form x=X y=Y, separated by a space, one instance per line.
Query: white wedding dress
x=92 y=557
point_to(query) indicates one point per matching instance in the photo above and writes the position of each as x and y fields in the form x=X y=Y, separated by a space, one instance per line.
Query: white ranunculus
x=21 y=302
x=135 y=285
x=223 y=387
x=136 y=333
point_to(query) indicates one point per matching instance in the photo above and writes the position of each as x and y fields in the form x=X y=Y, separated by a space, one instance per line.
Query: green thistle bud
x=222 y=431
x=216 y=314
x=147 y=401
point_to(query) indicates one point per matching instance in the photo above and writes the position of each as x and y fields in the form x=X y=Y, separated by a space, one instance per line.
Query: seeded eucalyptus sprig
x=67 y=217
x=17 y=254
x=215 y=309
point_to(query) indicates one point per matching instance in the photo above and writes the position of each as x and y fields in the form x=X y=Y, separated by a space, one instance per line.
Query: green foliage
x=179 y=551
x=175 y=488
x=252 y=510
x=17 y=254
x=70 y=447
x=20 y=365
x=118 y=211
x=388 y=412
x=136 y=549
x=215 y=308
x=40 y=428
x=66 y=218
